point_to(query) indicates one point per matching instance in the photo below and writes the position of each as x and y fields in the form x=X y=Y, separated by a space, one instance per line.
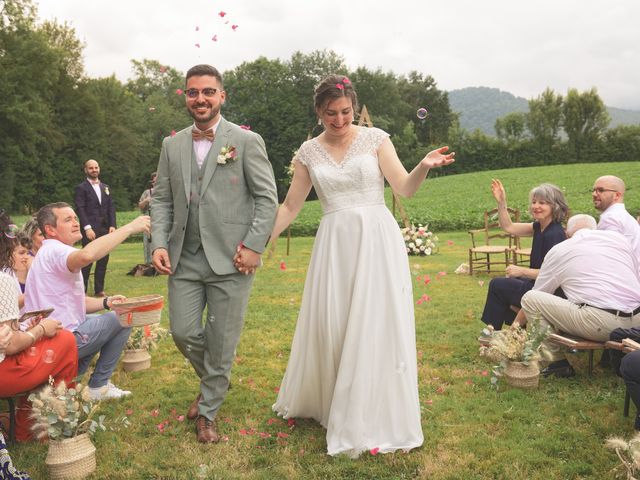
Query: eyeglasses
x=207 y=92
x=602 y=190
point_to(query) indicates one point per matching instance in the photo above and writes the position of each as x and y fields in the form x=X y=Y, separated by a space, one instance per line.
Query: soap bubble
x=422 y=113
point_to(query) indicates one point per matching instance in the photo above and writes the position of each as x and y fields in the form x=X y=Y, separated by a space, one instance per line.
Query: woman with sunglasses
x=30 y=351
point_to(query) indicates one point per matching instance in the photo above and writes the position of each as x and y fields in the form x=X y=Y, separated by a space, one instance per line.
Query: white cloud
x=515 y=46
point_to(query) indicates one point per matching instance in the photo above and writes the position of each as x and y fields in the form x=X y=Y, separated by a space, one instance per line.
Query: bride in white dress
x=353 y=359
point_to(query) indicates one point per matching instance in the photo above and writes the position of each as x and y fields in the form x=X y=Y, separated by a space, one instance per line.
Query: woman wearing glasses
x=549 y=209
x=31 y=351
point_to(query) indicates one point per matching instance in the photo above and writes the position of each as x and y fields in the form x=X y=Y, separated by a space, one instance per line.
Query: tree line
x=53 y=117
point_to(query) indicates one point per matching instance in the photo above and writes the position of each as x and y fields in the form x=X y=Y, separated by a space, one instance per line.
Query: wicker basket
x=139 y=311
x=522 y=375
x=71 y=458
x=135 y=360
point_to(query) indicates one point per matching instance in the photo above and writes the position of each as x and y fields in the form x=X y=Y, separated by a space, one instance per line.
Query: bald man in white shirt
x=608 y=198
x=598 y=272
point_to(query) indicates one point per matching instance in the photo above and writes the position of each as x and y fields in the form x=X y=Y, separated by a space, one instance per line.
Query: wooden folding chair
x=484 y=250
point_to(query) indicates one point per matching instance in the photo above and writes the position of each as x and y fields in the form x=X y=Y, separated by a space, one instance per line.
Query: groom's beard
x=205 y=117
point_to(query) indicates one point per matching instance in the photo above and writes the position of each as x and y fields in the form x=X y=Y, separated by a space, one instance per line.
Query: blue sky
x=516 y=46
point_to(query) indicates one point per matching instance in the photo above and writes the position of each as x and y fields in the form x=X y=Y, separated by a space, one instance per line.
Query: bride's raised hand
x=498 y=191
x=438 y=158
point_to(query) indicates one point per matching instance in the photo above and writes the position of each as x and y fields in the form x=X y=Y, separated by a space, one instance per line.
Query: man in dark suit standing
x=97 y=218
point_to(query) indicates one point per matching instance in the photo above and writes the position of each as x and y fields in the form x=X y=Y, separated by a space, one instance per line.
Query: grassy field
x=471 y=430
x=457 y=202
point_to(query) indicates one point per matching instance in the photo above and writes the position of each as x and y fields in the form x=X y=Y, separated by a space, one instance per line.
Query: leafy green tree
x=512 y=127
x=585 y=120
x=544 y=119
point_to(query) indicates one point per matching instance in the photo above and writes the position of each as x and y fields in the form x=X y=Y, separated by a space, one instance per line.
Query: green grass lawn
x=471 y=430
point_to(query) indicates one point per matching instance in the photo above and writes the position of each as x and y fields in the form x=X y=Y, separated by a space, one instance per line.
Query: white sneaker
x=107 y=392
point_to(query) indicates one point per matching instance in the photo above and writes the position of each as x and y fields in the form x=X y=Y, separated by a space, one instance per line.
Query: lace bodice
x=356 y=181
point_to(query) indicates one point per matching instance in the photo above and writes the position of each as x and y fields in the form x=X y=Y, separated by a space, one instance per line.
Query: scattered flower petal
x=283 y=265
x=449 y=242
x=481 y=282
x=484 y=373
x=221 y=14
x=129 y=411
x=440 y=389
x=214 y=38
x=180 y=418
x=291 y=422
x=234 y=27
x=282 y=435
x=173 y=134
x=155 y=413
x=197 y=28
x=197 y=45
x=179 y=91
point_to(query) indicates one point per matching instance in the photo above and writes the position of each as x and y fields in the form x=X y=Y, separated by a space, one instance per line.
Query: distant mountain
x=479 y=107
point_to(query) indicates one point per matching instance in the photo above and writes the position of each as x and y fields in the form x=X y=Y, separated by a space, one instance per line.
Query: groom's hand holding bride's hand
x=246 y=260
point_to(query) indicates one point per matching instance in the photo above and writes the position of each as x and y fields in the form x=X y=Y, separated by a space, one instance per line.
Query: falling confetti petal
x=173 y=133
x=245 y=127
x=197 y=28
x=374 y=451
x=197 y=45
x=163 y=69
x=222 y=14
x=234 y=27
x=179 y=91
x=214 y=38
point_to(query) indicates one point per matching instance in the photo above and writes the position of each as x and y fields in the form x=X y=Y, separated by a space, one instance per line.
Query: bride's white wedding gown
x=353 y=359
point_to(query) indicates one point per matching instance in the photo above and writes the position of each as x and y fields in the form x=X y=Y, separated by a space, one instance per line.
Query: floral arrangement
x=512 y=345
x=64 y=412
x=227 y=153
x=419 y=240
x=628 y=453
x=146 y=337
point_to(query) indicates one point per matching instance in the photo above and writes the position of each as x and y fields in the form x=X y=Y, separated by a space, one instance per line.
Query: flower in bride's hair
x=346 y=81
x=340 y=86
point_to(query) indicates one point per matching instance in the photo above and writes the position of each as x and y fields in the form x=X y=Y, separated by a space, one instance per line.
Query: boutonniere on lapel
x=227 y=153
x=106 y=190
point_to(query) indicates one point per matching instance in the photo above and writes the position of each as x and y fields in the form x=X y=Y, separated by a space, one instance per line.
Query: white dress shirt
x=617 y=219
x=202 y=147
x=595 y=267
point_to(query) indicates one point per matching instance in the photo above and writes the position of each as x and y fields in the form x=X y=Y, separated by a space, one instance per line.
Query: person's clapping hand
x=5 y=337
x=498 y=191
x=438 y=158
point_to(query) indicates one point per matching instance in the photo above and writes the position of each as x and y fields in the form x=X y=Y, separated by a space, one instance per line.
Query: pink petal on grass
x=428 y=402
x=484 y=373
x=291 y=422
x=155 y=412
x=283 y=266
x=419 y=278
x=469 y=382
x=264 y=434
x=481 y=282
x=129 y=412
x=419 y=302
x=271 y=421
x=427 y=279
x=277 y=389
x=242 y=432
x=374 y=451
x=425 y=298
x=440 y=390
x=449 y=242
x=180 y=418
x=282 y=435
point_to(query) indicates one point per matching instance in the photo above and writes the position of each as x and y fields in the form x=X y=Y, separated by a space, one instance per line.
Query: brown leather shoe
x=206 y=430
x=192 y=413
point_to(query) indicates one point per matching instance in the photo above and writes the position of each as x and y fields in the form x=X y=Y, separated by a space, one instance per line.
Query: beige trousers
x=560 y=314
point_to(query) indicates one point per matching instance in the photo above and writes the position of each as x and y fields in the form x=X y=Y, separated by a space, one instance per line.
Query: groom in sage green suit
x=215 y=198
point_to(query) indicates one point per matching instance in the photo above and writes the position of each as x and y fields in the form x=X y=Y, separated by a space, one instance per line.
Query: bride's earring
x=319 y=122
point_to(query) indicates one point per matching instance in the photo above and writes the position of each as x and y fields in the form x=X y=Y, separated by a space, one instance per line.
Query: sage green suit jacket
x=238 y=200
